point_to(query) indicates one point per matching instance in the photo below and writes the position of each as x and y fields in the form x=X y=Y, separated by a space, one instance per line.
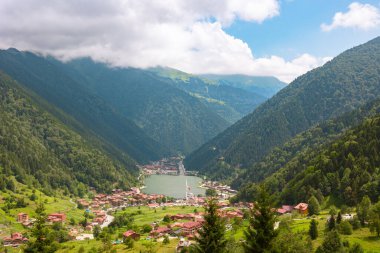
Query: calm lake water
x=172 y=186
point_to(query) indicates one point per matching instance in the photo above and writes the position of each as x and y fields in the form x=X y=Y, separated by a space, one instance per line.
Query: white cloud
x=182 y=34
x=359 y=16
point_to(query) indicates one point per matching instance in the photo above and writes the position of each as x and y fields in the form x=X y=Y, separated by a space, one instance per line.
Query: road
x=181 y=169
x=109 y=219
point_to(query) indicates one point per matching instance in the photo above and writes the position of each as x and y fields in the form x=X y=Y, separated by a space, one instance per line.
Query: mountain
x=345 y=169
x=41 y=151
x=341 y=85
x=229 y=102
x=266 y=86
x=274 y=167
x=167 y=114
x=51 y=82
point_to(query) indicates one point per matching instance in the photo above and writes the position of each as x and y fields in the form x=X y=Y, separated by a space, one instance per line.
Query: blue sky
x=296 y=30
x=281 y=38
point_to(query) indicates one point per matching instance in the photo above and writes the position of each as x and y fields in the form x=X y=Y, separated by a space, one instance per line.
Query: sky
x=281 y=38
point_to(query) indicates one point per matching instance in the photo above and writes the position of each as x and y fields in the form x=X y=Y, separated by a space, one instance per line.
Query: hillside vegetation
x=167 y=114
x=230 y=102
x=41 y=152
x=341 y=85
x=51 y=82
x=345 y=169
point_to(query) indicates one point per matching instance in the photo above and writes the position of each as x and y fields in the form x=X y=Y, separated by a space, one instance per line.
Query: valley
x=190 y=142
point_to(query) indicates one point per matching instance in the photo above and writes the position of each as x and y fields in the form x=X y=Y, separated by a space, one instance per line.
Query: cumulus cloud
x=360 y=16
x=182 y=34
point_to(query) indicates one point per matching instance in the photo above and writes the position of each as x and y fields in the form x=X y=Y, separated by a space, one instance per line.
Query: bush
x=355 y=222
x=345 y=228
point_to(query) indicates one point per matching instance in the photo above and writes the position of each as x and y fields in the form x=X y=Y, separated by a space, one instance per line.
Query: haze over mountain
x=266 y=86
x=52 y=82
x=167 y=114
x=343 y=84
x=40 y=148
x=229 y=102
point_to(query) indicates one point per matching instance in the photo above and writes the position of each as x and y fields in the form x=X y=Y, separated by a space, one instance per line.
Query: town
x=181 y=218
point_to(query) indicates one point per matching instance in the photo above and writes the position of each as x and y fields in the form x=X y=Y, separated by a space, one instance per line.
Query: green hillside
x=41 y=152
x=229 y=102
x=165 y=113
x=51 y=82
x=341 y=85
x=306 y=142
x=266 y=86
x=345 y=169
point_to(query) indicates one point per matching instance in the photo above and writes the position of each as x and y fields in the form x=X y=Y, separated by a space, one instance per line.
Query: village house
x=83 y=203
x=302 y=208
x=285 y=209
x=22 y=217
x=190 y=228
x=131 y=234
x=15 y=240
x=73 y=233
x=153 y=205
x=56 y=217
x=160 y=231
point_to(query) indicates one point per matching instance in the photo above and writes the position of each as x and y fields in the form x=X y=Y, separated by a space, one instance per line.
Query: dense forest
x=341 y=85
x=266 y=86
x=42 y=152
x=306 y=142
x=51 y=82
x=230 y=102
x=165 y=113
x=346 y=169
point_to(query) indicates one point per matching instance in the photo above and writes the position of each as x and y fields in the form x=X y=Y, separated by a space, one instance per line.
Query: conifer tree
x=363 y=209
x=331 y=223
x=313 y=229
x=212 y=234
x=331 y=243
x=314 y=207
x=339 y=218
x=42 y=241
x=260 y=233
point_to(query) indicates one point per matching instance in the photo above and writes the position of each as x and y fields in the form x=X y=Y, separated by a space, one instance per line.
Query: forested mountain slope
x=266 y=86
x=165 y=113
x=229 y=102
x=51 y=82
x=341 y=85
x=346 y=169
x=306 y=142
x=42 y=152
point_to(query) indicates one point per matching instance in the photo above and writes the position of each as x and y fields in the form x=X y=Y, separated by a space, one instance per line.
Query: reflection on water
x=172 y=186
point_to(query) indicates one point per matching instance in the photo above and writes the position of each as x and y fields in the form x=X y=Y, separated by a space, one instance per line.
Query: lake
x=172 y=186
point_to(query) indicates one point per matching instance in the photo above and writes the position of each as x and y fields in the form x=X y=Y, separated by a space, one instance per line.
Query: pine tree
x=363 y=209
x=212 y=234
x=331 y=223
x=314 y=207
x=339 y=218
x=313 y=229
x=331 y=243
x=43 y=241
x=260 y=233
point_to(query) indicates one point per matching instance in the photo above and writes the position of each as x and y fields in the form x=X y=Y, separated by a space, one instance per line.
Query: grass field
x=145 y=215
x=363 y=236
x=8 y=221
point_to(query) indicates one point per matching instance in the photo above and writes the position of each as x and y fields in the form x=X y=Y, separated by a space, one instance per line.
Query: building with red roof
x=302 y=208
x=56 y=217
x=22 y=217
x=160 y=231
x=15 y=240
x=131 y=234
